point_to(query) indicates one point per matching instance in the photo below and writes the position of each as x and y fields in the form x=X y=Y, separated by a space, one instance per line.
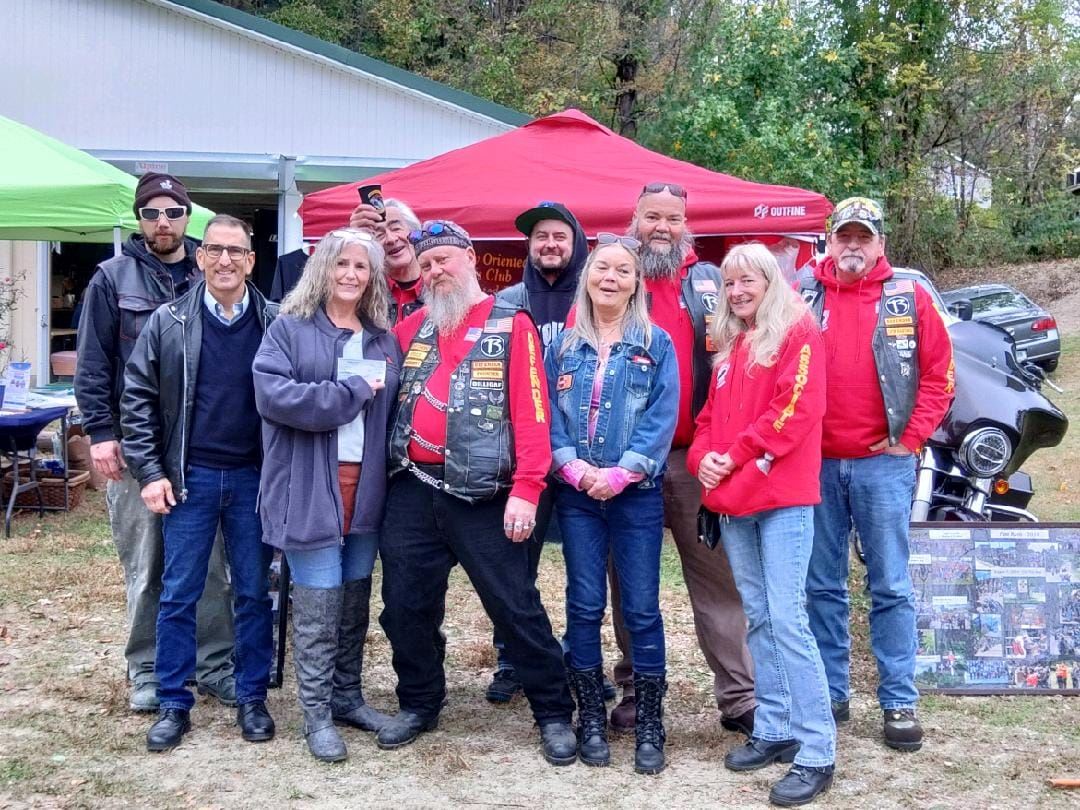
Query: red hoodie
x=775 y=410
x=855 y=412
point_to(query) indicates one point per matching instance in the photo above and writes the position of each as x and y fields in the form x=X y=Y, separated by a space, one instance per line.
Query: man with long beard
x=469 y=452
x=156 y=266
x=682 y=295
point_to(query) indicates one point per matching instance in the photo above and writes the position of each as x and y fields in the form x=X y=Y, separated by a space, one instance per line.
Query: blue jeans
x=333 y=566
x=769 y=553
x=874 y=493
x=631 y=528
x=226 y=498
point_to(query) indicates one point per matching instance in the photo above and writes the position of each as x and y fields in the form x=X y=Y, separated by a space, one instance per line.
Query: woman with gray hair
x=613 y=382
x=326 y=376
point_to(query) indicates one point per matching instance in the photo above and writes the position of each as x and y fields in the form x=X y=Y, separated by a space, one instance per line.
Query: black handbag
x=708 y=527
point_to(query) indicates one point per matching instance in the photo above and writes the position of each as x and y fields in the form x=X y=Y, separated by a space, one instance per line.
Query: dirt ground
x=67 y=739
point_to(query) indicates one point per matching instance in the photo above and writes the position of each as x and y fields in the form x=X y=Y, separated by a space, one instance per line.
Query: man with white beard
x=469 y=453
x=682 y=293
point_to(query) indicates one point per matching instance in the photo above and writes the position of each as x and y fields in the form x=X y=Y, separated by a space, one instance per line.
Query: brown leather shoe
x=624 y=716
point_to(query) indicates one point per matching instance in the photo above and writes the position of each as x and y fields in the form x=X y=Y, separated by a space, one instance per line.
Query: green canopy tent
x=52 y=192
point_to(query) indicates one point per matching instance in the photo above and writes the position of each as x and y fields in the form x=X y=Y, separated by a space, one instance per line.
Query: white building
x=960 y=180
x=249 y=114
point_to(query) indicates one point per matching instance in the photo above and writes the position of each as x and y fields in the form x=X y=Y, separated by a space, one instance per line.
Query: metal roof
x=352 y=59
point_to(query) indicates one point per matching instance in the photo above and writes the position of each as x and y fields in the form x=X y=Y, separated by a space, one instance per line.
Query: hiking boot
x=902 y=730
x=559 y=743
x=403 y=728
x=841 y=710
x=592 y=716
x=143 y=697
x=757 y=753
x=223 y=691
x=504 y=685
x=801 y=785
x=649 y=734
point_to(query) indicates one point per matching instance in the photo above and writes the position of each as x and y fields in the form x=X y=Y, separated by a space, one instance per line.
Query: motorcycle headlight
x=985 y=452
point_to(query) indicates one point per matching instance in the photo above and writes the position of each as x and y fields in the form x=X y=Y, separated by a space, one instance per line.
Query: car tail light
x=1043 y=324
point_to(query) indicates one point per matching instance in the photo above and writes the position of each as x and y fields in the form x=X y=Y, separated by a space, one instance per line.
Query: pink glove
x=573 y=471
x=619 y=478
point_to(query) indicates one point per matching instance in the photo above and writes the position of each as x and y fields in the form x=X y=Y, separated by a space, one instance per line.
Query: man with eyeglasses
x=469 y=453
x=156 y=266
x=392 y=226
x=889 y=383
x=192 y=438
x=682 y=294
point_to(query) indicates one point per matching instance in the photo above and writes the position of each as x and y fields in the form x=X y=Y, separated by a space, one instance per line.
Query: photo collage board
x=997 y=607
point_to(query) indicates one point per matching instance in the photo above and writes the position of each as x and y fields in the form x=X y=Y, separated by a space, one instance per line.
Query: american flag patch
x=500 y=325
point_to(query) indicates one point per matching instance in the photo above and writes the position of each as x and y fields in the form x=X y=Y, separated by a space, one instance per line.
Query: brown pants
x=718 y=613
x=348 y=473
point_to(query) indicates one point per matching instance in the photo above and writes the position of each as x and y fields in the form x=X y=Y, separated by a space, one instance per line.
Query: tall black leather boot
x=347 y=705
x=649 y=731
x=316 y=613
x=588 y=686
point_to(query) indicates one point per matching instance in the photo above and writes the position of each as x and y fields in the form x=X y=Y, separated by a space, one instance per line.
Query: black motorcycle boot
x=801 y=785
x=347 y=704
x=316 y=614
x=588 y=686
x=649 y=729
x=757 y=753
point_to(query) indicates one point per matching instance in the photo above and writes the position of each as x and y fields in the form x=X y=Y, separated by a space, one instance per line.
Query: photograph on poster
x=988 y=636
x=986 y=672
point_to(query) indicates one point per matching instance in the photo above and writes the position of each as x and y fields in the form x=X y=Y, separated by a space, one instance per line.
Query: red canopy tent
x=571 y=158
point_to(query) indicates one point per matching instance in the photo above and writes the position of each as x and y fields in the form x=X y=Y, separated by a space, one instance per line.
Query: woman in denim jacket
x=614 y=389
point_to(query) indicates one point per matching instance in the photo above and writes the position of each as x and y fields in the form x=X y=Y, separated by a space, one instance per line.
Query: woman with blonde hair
x=757 y=453
x=614 y=389
x=326 y=377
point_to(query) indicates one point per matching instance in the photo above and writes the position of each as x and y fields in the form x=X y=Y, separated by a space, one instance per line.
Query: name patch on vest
x=416 y=355
x=899 y=330
x=903 y=321
x=487 y=370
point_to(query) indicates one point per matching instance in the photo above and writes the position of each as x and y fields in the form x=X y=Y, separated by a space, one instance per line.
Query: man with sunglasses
x=156 y=266
x=192 y=438
x=469 y=453
x=682 y=294
x=889 y=374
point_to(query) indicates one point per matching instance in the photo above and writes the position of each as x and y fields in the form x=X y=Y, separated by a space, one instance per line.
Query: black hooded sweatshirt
x=549 y=303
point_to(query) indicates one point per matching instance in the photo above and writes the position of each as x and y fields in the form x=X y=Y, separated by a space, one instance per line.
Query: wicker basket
x=52 y=491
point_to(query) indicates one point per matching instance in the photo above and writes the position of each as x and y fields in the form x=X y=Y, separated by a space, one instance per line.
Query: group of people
x=408 y=415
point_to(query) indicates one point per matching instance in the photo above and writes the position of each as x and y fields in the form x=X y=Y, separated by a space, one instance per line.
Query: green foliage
x=838 y=96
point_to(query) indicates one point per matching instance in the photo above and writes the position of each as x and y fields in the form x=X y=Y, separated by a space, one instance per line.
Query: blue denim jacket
x=639 y=403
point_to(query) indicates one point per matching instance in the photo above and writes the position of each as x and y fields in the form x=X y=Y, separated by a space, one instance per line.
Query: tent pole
x=116 y=240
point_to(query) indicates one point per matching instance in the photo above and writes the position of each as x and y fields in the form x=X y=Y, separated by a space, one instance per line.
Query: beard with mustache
x=162 y=244
x=661 y=263
x=449 y=306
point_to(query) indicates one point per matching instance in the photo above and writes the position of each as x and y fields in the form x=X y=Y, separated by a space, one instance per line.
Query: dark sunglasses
x=236 y=252
x=436 y=228
x=151 y=214
x=657 y=188
x=628 y=242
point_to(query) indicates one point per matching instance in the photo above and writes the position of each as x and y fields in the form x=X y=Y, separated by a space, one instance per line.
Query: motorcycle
x=969 y=470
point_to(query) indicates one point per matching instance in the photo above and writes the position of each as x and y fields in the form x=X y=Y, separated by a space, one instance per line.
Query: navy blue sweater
x=225 y=426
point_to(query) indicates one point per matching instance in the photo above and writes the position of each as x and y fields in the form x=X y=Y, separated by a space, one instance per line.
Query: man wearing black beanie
x=156 y=266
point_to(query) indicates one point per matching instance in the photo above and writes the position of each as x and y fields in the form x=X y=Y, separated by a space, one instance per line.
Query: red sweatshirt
x=403 y=296
x=775 y=410
x=670 y=314
x=855 y=412
x=530 y=412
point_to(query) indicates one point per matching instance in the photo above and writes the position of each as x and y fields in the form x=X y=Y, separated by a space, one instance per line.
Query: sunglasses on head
x=151 y=214
x=214 y=251
x=628 y=242
x=363 y=236
x=436 y=228
x=656 y=188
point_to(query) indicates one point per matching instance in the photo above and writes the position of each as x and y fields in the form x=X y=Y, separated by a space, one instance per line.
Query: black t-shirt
x=179 y=272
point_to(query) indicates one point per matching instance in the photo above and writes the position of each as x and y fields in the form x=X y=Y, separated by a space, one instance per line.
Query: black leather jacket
x=159 y=387
x=121 y=296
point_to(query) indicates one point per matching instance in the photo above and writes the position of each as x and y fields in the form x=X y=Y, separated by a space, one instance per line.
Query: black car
x=1032 y=327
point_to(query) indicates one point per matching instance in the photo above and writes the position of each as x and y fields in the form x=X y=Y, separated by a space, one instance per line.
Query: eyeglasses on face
x=436 y=228
x=628 y=242
x=236 y=252
x=151 y=214
x=656 y=188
